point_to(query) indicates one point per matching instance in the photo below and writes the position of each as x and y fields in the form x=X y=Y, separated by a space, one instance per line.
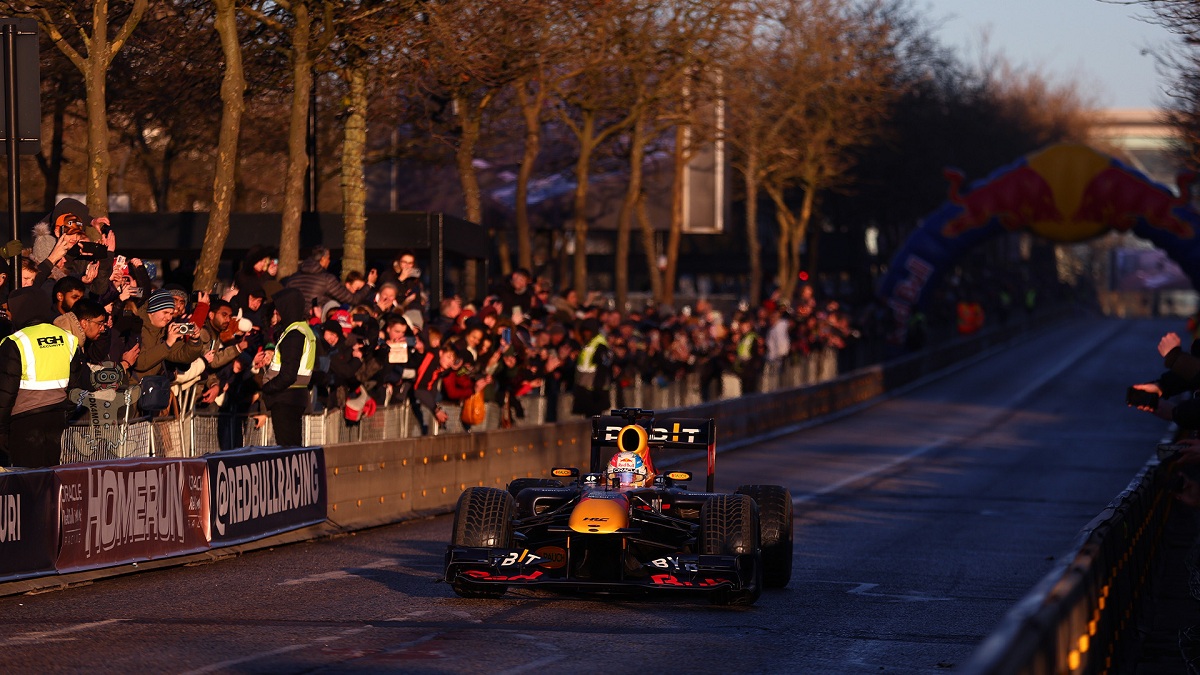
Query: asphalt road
x=920 y=521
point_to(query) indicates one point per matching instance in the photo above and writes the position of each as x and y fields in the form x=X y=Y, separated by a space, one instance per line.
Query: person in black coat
x=287 y=373
x=32 y=420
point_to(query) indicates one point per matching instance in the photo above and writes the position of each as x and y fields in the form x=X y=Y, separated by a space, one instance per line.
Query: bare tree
x=813 y=83
x=662 y=49
x=85 y=41
x=233 y=89
x=307 y=25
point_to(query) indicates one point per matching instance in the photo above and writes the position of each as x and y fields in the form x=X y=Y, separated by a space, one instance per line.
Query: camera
x=186 y=328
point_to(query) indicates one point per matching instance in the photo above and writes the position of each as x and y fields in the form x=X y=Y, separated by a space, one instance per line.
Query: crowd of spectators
x=378 y=341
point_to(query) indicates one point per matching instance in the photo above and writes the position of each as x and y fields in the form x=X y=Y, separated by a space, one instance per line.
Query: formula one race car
x=623 y=527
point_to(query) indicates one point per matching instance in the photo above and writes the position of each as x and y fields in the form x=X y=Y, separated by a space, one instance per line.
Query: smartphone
x=506 y=335
x=1141 y=399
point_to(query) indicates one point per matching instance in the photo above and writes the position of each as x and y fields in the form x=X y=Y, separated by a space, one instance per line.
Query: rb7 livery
x=623 y=527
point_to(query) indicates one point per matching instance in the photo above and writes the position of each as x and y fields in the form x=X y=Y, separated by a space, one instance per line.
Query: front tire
x=482 y=519
x=774 y=531
x=729 y=526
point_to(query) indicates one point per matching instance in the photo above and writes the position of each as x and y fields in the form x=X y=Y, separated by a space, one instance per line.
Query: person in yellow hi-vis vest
x=287 y=380
x=593 y=371
x=39 y=363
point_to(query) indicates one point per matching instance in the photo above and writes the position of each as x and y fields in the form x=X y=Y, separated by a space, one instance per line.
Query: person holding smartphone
x=1183 y=375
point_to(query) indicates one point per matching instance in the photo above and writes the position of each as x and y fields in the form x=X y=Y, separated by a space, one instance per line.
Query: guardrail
x=1084 y=616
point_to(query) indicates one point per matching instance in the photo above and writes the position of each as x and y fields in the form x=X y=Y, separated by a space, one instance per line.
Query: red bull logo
x=1069 y=193
x=1013 y=199
x=1120 y=199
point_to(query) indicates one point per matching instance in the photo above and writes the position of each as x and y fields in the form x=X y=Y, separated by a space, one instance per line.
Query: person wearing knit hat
x=162 y=340
x=160 y=300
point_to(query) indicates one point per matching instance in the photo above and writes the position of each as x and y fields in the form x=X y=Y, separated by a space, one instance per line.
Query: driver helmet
x=627 y=470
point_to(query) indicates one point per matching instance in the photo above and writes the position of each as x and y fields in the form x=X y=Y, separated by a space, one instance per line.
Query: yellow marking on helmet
x=642 y=439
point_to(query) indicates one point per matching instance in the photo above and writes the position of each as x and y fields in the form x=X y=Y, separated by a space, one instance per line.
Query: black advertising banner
x=117 y=512
x=264 y=491
x=28 y=523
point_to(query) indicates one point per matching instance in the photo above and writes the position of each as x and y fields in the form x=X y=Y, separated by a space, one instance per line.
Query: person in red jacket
x=458 y=384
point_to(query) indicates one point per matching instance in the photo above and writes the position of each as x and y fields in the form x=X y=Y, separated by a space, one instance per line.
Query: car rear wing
x=668 y=432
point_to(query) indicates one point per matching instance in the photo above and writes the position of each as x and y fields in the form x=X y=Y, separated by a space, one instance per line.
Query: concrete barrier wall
x=382 y=482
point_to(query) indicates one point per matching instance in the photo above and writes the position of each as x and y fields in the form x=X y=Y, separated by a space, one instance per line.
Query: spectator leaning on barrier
x=161 y=339
x=217 y=354
x=285 y=388
x=432 y=366
x=38 y=365
x=1183 y=375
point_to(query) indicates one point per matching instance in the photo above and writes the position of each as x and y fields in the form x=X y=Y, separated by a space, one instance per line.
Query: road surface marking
x=50 y=635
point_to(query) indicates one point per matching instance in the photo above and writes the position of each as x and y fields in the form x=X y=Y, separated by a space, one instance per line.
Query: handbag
x=473 y=410
x=156 y=393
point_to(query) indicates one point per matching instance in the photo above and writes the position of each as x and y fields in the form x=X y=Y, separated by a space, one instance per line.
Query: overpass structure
x=1145 y=140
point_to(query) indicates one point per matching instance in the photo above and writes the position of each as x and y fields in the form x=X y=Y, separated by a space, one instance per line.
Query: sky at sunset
x=1099 y=44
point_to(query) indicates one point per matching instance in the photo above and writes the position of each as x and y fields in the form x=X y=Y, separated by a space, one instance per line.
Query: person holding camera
x=39 y=364
x=162 y=339
x=406 y=277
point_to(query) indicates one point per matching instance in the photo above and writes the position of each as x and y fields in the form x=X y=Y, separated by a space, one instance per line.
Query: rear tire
x=482 y=519
x=774 y=531
x=729 y=526
x=515 y=487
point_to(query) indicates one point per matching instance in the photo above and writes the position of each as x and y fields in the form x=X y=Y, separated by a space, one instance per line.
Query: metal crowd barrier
x=193 y=432
x=1087 y=615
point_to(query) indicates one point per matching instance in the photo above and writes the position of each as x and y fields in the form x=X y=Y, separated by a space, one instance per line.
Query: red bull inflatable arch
x=1065 y=193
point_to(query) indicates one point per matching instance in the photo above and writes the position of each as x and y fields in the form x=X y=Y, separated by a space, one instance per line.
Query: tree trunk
x=800 y=228
x=656 y=284
x=94 y=67
x=297 y=165
x=676 y=233
x=354 y=188
x=233 y=90
x=531 y=110
x=753 y=246
x=97 y=123
x=51 y=166
x=163 y=192
x=784 y=218
x=471 y=118
x=579 y=222
x=637 y=153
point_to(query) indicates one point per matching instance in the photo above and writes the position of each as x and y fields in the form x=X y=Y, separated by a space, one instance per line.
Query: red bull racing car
x=623 y=527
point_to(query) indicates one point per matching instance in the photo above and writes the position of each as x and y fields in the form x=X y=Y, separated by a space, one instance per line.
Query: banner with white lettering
x=28 y=523
x=258 y=492
x=117 y=512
